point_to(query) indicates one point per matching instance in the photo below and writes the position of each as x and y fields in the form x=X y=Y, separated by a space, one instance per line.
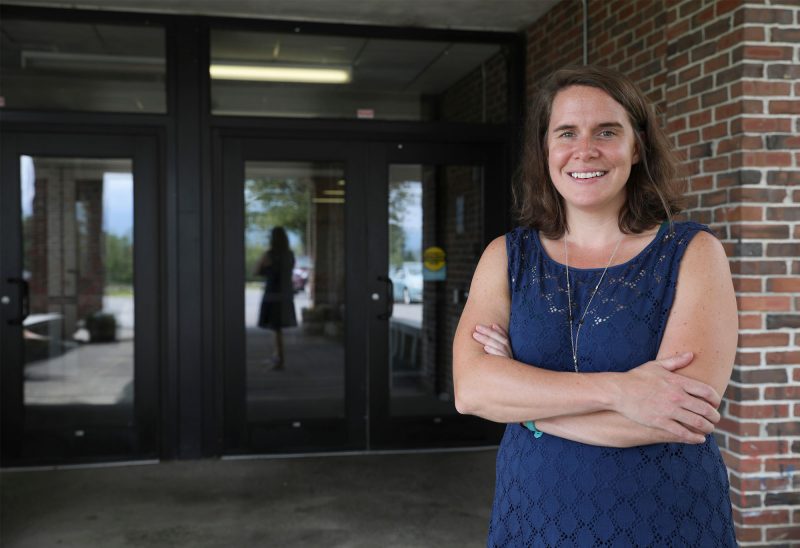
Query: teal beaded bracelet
x=530 y=425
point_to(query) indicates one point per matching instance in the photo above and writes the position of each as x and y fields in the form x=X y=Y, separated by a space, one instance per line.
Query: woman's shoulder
x=699 y=249
x=494 y=258
x=687 y=228
x=496 y=248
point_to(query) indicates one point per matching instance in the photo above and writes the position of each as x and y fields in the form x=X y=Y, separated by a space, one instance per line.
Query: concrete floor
x=378 y=500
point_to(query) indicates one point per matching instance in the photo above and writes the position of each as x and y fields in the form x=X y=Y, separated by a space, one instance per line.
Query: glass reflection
x=316 y=76
x=435 y=232
x=294 y=289
x=58 y=65
x=77 y=220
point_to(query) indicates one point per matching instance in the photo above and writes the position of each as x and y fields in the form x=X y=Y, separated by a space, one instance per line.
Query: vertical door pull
x=389 y=298
x=24 y=301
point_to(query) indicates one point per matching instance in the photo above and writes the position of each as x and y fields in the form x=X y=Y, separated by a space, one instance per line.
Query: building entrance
x=344 y=268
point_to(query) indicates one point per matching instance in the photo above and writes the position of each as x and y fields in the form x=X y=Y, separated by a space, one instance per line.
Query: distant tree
x=278 y=202
x=119 y=259
x=400 y=199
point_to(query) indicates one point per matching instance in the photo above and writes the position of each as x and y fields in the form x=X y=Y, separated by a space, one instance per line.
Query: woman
x=613 y=333
x=277 y=304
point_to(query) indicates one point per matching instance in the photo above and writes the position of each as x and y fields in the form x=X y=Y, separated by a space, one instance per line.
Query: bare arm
x=703 y=320
x=504 y=390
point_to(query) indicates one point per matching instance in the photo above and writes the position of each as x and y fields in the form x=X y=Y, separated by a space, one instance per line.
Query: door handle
x=389 y=297
x=24 y=301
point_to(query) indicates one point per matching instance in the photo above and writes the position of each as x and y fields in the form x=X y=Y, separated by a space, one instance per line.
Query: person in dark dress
x=602 y=332
x=277 y=304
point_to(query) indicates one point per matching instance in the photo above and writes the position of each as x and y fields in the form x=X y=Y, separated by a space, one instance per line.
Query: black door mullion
x=378 y=339
x=11 y=373
x=235 y=437
x=147 y=215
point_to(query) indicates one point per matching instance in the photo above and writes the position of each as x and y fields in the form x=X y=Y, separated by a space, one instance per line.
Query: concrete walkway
x=376 y=500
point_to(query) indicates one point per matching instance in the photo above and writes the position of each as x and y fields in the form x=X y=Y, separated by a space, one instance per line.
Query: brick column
x=725 y=75
x=733 y=106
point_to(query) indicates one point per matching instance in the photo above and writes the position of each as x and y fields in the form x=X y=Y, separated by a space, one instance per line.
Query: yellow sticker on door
x=434 y=260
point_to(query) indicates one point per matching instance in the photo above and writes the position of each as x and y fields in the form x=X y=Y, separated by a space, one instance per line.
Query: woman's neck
x=592 y=231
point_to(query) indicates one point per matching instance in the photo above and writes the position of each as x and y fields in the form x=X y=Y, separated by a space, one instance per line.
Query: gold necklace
x=574 y=342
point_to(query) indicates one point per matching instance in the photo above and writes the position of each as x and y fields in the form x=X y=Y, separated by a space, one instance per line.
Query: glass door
x=344 y=270
x=78 y=320
x=292 y=228
x=429 y=223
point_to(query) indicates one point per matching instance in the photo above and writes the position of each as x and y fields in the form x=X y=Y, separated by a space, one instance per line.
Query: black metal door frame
x=315 y=435
x=143 y=149
x=368 y=424
x=386 y=431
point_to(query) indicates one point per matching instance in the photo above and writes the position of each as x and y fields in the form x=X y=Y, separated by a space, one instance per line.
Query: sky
x=117 y=197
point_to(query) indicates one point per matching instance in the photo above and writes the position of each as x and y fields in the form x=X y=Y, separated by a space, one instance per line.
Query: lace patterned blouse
x=552 y=491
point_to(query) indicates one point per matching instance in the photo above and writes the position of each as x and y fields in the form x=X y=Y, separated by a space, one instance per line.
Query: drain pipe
x=585 y=31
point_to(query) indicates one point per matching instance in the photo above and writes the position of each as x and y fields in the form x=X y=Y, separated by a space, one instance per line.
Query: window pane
x=272 y=74
x=435 y=231
x=77 y=218
x=294 y=290
x=53 y=65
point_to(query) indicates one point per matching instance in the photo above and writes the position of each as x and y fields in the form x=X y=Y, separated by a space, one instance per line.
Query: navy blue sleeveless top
x=552 y=491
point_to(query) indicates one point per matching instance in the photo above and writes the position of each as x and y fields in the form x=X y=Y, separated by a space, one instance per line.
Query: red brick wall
x=725 y=77
x=480 y=97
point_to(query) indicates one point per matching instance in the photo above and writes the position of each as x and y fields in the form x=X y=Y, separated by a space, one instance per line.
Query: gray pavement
x=421 y=500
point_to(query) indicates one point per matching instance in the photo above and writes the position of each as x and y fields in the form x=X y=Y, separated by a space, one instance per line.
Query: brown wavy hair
x=653 y=191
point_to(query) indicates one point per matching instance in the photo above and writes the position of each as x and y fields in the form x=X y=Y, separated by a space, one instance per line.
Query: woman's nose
x=585 y=148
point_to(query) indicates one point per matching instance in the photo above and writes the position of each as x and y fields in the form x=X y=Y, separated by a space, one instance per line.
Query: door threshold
x=360 y=453
x=53 y=467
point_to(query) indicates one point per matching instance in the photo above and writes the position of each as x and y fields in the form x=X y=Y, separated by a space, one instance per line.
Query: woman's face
x=590 y=149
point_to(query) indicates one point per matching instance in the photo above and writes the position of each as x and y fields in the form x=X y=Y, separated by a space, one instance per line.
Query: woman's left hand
x=494 y=340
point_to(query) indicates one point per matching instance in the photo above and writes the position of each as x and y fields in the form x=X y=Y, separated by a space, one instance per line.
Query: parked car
x=407 y=282
x=301 y=272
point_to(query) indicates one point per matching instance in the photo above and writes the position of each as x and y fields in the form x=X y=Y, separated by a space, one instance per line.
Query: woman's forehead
x=579 y=105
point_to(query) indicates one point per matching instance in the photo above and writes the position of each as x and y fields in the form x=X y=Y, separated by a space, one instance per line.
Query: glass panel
x=77 y=219
x=296 y=75
x=294 y=290
x=435 y=239
x=54 y=65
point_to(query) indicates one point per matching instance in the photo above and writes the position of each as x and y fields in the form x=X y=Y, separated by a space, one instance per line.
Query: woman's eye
x=607 y=133
x=567 y=134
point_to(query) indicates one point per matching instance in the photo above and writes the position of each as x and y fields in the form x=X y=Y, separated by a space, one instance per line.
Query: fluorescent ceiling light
x=80 y=62
x=281 y=73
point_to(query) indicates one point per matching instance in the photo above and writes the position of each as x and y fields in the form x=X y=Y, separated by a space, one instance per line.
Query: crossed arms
x=671 y=399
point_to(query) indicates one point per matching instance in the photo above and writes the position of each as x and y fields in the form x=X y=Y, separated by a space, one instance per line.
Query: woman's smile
x=587 y=176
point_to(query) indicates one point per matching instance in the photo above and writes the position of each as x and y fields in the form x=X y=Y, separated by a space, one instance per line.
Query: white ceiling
x=489 y=15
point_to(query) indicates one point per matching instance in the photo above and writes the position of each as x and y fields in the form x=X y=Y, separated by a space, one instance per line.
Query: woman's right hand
x=655 y=396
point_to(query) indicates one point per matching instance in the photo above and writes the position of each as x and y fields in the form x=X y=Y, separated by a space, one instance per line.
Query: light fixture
x=82 y=62
x=307 y=74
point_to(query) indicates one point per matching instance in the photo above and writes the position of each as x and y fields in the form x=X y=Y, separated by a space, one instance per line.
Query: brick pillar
x=733 y=108
x=724 y=77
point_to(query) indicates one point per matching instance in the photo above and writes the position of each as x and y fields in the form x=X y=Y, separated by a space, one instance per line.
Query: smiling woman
x=603 y=333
